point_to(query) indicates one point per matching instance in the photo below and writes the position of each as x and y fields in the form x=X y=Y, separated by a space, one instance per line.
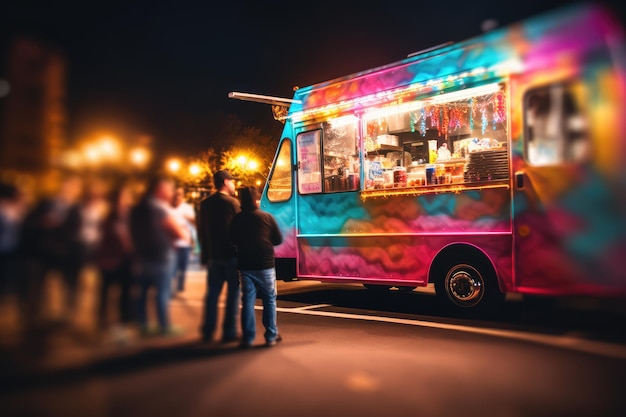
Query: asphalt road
x=347 y=352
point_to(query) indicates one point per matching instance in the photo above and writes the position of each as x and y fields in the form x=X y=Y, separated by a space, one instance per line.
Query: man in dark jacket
x=218 y=253
x=255 y=233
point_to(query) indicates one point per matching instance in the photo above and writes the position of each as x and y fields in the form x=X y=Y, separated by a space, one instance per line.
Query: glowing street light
x=109 y=148
x=253 y=165
x=139 y=157
x=247 y=164
x=195 y=169
x=91 y=154
x=173 y=165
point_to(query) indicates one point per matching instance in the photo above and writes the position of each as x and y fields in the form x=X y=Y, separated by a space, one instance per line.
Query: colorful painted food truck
x=490 y=166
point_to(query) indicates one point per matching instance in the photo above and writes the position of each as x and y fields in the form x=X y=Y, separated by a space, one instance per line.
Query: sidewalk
x=75 y=342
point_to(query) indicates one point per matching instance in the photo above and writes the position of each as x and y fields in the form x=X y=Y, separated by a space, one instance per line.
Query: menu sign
x=309 y=166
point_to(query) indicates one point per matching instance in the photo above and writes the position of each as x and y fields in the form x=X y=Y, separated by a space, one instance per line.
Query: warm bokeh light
x=246 y=163
x=91 y=154
x=195 y=169
x=71 y=159
x=108 y=147
x=173 y=165
x=139 y=156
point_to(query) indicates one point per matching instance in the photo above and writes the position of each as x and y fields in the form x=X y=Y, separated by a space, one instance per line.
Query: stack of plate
x=487 y=166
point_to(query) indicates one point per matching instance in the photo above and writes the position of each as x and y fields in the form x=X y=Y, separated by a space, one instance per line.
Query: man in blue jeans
x=154 y=228
x=218 y=253
x=255 y=233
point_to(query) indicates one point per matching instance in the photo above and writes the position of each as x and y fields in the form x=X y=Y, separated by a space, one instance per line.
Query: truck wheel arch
x=465 y=258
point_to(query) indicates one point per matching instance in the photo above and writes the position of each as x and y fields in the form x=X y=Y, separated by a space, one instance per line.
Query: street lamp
x=195 y=169
x=139 y=157
x=173 y=165
x=253 y=165
x=109 y=148
x=91 y=154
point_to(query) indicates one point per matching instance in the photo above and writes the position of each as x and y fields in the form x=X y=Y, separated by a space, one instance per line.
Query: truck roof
x=491 y=56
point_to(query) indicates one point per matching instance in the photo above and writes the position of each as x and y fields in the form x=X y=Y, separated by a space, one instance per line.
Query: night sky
x=162 y=68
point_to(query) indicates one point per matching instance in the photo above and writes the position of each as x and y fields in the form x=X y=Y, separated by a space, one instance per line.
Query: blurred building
x=33 y=114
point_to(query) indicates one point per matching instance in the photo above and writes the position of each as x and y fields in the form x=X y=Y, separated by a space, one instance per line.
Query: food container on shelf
x=388 y=178
x=390 y=140
x=399 y=177
x=416 y=179
x=431 y=177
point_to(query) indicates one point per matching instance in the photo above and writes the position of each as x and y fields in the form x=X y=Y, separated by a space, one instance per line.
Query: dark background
x=165 y=68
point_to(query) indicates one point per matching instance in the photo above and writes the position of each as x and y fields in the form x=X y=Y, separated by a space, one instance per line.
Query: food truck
x=490 y=166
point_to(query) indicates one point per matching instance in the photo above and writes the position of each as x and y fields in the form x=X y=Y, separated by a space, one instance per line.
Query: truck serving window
x=309 y=162
x=341 y=155
x=443 y=141
x=279 y=185
x=555 y=125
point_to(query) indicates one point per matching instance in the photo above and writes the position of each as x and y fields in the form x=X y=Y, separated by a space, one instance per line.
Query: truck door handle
x=519 y=180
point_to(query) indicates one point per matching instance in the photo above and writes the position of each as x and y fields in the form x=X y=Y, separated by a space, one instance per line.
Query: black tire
x=469 y=285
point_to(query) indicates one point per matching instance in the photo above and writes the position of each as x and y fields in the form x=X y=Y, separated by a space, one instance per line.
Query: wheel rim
x=465 y=285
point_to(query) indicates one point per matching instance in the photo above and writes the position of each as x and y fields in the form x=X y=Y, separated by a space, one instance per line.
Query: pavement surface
x=73 y=340
x=345 y=353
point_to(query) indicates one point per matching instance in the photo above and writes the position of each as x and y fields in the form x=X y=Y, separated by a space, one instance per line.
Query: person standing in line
x=254 y=234
x=84 y=227
x=187 y=217
x=218 y=253
x=46 y=242
x=12 y=205
x=154 y=228
x=114 y=257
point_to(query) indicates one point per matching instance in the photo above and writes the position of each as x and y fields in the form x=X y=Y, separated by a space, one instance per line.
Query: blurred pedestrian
x=218 y=253
x=12 y=204
x=83 y=234
x=45 y=245
x=255 y=233
x=154 y=229
x=114 y=257
x=187 y=217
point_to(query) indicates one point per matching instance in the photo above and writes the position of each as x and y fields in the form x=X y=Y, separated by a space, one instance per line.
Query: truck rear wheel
x=468 y=283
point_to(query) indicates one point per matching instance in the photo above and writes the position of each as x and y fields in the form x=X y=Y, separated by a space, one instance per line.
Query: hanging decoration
x=423 y=122
x=455 y=122
x=433 y=112
x=471 y=114
x=412 y=121
x=499 y=110
x=483 y=118
x=444 y=120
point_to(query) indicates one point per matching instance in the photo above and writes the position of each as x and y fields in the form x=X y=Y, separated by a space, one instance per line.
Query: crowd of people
x=141 y=244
